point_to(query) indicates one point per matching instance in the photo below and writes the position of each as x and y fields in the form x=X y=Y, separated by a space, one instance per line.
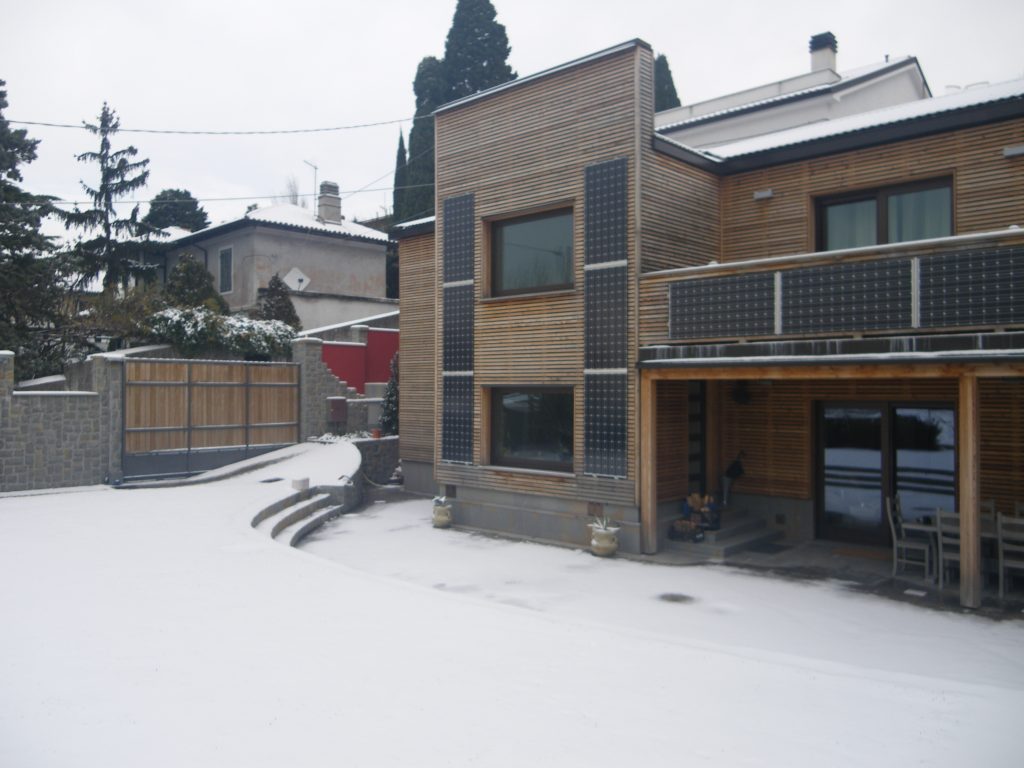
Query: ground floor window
x=873 y=450
x=532 y=427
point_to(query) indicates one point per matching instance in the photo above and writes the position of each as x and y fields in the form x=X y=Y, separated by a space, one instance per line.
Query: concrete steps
x=293 y=518
x=735 y=535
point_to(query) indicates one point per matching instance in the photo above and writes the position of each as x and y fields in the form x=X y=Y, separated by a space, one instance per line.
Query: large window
x=225 y=270
x=531 y=254
x=532 y=427
x=890 y=215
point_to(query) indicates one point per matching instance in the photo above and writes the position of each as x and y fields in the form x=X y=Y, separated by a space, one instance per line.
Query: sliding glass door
x=868 y=451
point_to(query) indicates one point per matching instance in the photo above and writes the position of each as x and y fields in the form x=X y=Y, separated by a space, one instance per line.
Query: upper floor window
x=532 y=253
x=225 y=270
x=890 y=215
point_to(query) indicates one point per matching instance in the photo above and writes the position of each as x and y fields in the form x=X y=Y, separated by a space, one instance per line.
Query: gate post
x=108 y=383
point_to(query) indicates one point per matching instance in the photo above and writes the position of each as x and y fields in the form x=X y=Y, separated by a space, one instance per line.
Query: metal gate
x=186 y=416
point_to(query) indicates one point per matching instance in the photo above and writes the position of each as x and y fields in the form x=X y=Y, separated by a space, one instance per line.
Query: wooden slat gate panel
x=185 y=416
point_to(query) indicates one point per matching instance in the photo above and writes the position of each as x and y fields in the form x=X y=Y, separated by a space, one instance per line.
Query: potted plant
x=442 y=512
x=604 y=536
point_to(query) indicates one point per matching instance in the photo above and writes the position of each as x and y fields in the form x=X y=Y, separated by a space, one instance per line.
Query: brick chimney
x=328 y=204
x=823 y=52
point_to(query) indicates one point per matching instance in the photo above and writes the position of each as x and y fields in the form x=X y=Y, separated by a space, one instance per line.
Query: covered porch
x=826 y=431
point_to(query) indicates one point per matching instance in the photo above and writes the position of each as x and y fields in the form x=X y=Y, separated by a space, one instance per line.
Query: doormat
x=767 y=548
x=868 y=553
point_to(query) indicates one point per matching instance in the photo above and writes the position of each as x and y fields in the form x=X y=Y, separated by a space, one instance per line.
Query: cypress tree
x=430 y=90
x=664 y=89
x=401 y=179
x=475 y=58
x=120 y=247
x=476 y=51
x=275 y=303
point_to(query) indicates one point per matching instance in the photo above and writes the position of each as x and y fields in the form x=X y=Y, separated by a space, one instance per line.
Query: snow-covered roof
x=802 y=86
x=296 y=217
x=913 y=110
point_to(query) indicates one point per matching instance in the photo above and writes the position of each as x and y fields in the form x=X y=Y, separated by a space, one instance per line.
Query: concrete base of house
x=418 y=477
x=794 y=518
x=539 y=518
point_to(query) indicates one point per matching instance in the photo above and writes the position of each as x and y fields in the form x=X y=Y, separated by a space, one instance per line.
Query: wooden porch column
x=968 y=480
x=648 y=465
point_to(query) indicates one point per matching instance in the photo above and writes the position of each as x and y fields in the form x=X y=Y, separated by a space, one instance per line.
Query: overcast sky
x=258 y=65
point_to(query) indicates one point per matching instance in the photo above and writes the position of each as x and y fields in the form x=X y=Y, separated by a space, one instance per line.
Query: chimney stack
x=328 y=205
x=823 y=52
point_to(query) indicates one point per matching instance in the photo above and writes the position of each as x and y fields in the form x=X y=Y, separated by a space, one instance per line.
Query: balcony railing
x=972 y=281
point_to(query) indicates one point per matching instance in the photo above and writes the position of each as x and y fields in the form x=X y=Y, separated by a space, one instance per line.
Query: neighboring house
x=335 y=269
x=601 y=319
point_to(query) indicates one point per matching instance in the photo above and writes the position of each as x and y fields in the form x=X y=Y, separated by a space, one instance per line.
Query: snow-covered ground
x=155 y=627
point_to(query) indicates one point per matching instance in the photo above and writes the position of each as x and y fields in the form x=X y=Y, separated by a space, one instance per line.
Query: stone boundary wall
x=316 y=384
x=48 y=439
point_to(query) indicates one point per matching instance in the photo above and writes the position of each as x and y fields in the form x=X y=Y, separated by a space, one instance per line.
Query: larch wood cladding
x=525 y=150
x=776 y=430
x=673 y=434
x=681 y=213
x=988 y=189
x=417 y=290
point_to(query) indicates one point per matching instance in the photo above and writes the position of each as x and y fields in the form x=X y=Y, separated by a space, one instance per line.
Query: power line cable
x=233 y=199
x=277 y=132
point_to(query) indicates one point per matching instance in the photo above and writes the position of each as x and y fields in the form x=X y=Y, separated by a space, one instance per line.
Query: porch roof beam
x=723 y=369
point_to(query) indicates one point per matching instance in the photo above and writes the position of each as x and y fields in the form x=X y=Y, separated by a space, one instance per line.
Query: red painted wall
x=347 y=361
x=381 y=346
x=357 y=364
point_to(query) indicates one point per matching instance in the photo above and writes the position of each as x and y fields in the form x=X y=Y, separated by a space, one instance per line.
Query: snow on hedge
x=199 y=329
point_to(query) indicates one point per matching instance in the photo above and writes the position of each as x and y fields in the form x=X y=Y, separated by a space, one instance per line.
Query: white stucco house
x=336 y=269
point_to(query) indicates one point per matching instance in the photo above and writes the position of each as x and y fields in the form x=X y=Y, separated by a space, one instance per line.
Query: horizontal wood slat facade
x=784 y=224
x=176 y=405
x=681 y=214
x=416 y=346
x=536 y=161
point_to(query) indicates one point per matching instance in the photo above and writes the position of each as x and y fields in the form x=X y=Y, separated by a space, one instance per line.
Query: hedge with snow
x=200 y=330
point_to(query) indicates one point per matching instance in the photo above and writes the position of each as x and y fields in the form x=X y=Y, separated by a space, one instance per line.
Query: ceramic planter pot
x=442 y=515
x=604 y=542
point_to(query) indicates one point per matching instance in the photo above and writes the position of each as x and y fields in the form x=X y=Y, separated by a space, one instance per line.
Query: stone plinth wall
x=380 y=457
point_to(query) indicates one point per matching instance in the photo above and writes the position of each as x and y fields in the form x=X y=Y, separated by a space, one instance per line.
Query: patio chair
x=1010 y=532
x=948 y=524
x=903 y=545
x=988 y=509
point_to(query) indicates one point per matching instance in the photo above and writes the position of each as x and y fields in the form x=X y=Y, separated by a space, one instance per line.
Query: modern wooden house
x=601 y=318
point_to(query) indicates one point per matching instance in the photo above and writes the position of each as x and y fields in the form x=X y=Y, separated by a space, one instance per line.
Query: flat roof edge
x=543 y=74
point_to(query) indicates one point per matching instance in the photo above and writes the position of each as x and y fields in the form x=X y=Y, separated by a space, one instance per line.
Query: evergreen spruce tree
x=476 y=51
x=190 y=284
x=430 y=90
x=664 y=89
x=121 y=244
x=32 y=293
x=401 y=179
x=389 y=405
x=176 y=208
x=275 y=303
